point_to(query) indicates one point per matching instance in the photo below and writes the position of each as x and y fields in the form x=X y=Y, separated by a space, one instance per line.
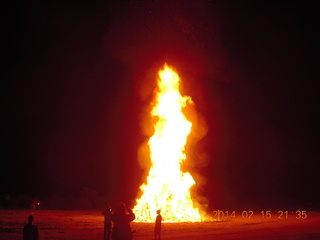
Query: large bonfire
x=168 y=187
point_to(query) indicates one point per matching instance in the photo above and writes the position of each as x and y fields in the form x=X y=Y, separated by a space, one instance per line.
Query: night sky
x=78 y=76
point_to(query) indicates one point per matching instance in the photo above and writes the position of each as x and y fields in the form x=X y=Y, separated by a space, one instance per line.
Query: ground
x=89 y=225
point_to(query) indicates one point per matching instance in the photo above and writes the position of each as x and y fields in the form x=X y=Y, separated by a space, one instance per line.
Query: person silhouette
x=30 y=231
x=157 y=227
x=121 y=222
x=107 y=223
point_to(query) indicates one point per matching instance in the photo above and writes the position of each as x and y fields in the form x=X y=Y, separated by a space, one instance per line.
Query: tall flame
x=167 y=187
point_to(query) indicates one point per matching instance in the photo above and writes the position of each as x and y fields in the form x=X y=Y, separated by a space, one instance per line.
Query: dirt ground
x=80 y=225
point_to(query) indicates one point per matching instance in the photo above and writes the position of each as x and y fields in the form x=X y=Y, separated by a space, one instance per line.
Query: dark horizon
x=79 y=76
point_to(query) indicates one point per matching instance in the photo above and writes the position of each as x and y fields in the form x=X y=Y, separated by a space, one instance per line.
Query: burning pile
x=168 y=187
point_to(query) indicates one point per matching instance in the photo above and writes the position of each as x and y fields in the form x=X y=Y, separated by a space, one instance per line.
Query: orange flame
x=167 y=187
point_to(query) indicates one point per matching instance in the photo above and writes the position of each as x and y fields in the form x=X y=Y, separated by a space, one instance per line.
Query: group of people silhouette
x=121 y=218
x=121 y=230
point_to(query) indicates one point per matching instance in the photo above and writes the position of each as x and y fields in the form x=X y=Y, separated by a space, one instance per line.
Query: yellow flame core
x=167 y=186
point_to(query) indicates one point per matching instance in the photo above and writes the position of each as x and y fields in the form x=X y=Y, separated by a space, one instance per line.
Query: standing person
x=121 y=219
x=30 y=231
x=107 y=223
x=157 y=227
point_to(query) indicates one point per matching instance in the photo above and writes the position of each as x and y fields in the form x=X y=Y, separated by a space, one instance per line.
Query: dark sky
x=77 y=77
